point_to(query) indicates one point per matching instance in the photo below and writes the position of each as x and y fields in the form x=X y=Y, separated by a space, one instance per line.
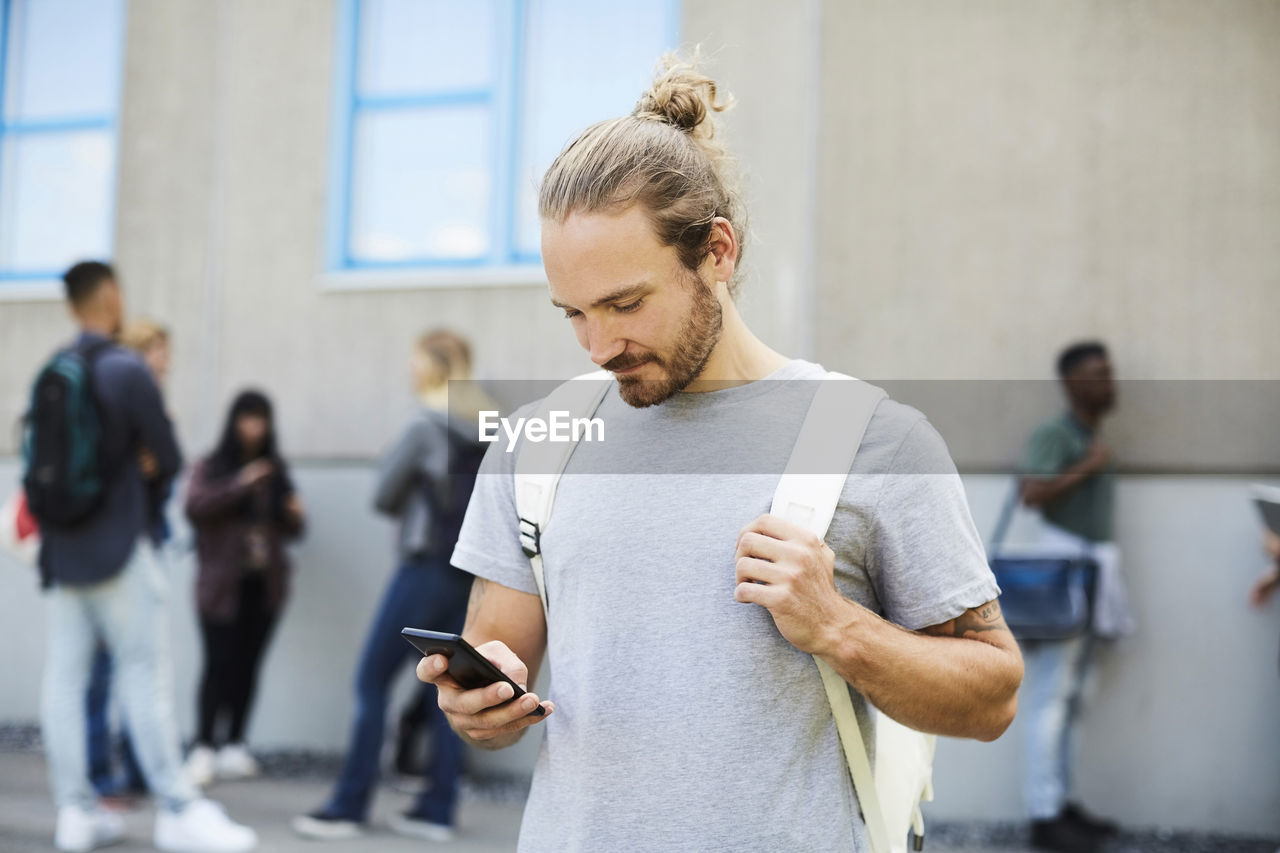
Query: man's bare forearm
x=959 y=680
x=482 y=625
x=1036 y=492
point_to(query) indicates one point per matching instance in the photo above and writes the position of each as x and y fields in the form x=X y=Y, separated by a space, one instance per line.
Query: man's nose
x=603 y=343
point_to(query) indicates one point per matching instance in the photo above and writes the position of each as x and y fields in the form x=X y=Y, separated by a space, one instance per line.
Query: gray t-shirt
x=684 y=720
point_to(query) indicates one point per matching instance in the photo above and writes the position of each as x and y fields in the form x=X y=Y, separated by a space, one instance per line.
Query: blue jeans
x=130 y=613
x=428 y=594
x=1049 y=705
x=102 y=773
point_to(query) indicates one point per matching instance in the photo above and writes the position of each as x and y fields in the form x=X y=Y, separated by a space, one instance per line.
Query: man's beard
x=693 y=347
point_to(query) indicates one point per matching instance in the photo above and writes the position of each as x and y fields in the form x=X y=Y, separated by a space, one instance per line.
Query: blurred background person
x=1066 y=472
x=424 y=481
x=244 y=509
x=150 y=340
x=103 y=581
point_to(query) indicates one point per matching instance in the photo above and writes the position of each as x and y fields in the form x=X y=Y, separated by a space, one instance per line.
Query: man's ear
x=723 y=248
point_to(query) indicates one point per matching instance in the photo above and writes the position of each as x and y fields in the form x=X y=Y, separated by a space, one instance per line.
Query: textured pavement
x=488 y=822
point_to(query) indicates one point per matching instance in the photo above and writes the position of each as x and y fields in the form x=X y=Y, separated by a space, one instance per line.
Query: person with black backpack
x=425 y=482
x=94 y=407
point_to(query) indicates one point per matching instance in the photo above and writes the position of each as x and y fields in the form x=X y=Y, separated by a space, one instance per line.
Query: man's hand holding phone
x=486 y=716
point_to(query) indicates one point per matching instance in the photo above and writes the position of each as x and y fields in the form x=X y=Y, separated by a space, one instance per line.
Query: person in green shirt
x=1066 y=475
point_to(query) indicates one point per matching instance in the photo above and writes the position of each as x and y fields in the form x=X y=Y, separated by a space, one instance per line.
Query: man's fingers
x=486 y=712
x=754 y=593
x=505 y=660
x=749 y=569
x=776 y=527
x=488 y=704
x=522 y=722
x=476 y=712
x=753 y=544
x=515 y=670
x=433 y=669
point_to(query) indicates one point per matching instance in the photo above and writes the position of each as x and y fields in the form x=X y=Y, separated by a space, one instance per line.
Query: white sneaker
x=202 y=827
x=235 y=762
x=416 y=827
x=319 y=828
x=200 y=767
x=79 y=830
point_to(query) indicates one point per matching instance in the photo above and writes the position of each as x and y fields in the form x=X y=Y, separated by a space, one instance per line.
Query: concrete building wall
x=936 y=190
x=1001 y=176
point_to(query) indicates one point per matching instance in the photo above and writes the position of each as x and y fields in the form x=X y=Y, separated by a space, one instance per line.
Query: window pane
x=55 y=199
x=421 y=185
x=422 y=46
x=63 y=58
x=585 y=61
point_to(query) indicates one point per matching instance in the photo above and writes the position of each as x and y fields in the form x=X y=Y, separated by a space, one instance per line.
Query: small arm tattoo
x=478 y=588
x=979 y=620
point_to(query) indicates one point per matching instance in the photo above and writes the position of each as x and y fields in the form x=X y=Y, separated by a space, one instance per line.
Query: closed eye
x=628 y=308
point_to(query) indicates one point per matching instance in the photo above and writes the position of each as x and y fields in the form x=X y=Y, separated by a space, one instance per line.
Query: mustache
x=625 y=362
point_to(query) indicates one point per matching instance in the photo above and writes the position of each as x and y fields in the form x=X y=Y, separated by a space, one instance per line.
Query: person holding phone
x=688 y=713
x=245 y=509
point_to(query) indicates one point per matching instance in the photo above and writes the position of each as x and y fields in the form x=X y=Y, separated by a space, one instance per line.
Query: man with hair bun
x=688 y=713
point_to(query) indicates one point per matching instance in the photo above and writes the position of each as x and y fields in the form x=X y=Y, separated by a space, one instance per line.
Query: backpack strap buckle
x=530 y=538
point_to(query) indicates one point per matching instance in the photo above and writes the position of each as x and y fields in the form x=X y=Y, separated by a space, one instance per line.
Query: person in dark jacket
x=150 y=341
x=415 y=486
x=243 y=506
x=105 y=583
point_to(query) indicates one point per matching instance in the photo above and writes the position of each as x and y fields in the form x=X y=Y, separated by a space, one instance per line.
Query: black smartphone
x=467 y=666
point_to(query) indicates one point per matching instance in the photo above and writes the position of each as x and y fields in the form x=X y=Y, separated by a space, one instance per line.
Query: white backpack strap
x=539 y=465
x=807 y=494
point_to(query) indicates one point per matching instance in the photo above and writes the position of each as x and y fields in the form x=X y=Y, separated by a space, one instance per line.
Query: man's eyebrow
x=619 y=295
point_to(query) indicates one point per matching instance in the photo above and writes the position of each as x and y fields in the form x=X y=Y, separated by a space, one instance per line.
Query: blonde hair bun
x=662 y=157
x=681 y=97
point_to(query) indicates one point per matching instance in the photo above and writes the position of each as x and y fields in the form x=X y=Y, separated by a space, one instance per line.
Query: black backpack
x=65 y=479
x=449 y=503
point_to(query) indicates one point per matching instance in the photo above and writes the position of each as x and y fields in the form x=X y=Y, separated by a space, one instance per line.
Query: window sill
x=359 y=281
x=31 y=290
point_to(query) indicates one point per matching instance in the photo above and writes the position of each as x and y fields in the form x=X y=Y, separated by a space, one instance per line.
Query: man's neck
x=96 y=326
x=1088 y=418
x=739 y=357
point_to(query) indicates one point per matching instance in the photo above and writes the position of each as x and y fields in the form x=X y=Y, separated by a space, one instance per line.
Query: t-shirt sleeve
x=1046 y=454
x=925 y=556
x=489 y=544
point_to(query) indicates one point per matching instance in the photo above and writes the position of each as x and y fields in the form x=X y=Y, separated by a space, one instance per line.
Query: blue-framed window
x=60 y=66
x=449 y=111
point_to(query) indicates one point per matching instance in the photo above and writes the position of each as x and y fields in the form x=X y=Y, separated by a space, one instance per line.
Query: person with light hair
x=423 y=484
x=150 y=340
x=681 y=618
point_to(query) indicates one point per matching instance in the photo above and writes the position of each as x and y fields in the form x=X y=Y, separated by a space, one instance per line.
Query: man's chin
x=643 y=393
